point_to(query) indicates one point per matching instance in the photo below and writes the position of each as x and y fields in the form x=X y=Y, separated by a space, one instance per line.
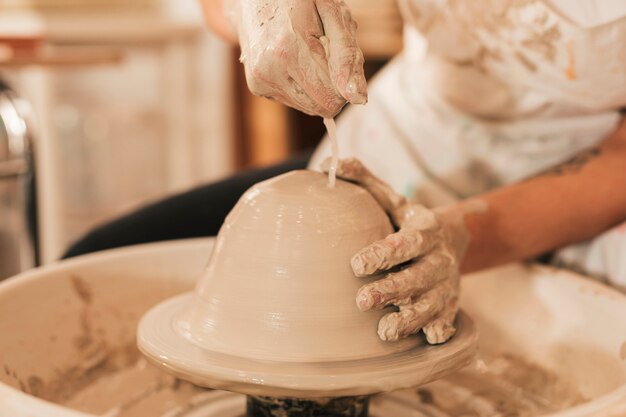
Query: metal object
x=17 y=186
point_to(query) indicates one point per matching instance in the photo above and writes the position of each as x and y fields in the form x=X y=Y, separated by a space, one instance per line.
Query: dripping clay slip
x=274 y=314
x=331 y=128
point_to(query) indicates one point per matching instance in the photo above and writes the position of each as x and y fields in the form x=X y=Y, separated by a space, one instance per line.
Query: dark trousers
x=195 y=213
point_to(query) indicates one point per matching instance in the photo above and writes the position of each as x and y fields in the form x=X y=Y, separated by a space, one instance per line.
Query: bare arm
x=570 y=203
x=422 y=261
x=216 y=20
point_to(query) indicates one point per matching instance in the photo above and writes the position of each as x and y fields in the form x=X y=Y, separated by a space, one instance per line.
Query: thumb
x=345 y=59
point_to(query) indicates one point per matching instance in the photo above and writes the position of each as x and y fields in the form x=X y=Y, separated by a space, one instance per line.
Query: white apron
x=488 y=92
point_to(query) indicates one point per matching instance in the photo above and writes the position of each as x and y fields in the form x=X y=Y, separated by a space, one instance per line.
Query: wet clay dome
x=279 y=285
x=275 y=311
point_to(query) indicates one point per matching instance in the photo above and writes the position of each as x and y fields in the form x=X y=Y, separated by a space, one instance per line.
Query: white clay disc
x=159 y=341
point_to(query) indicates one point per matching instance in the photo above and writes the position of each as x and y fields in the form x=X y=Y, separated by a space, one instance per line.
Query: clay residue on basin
x=117 y=383
x=136 y=391
x=107 y=375
x=498 y=385
x=114 y=382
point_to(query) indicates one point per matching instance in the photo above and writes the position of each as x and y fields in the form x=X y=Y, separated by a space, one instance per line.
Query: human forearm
x=570 y=203
x=423 y=259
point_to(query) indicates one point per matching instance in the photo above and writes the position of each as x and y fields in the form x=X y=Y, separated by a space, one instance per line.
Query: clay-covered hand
x=302 y=53
x=423 y=255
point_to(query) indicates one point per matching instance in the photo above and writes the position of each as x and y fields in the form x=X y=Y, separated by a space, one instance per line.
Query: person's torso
x=522 y=58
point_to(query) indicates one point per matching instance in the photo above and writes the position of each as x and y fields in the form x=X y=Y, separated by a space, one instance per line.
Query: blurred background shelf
x=64 y=57
x=132 y=103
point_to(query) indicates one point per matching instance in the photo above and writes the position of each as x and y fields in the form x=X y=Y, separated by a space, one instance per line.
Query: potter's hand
x=300 y=52
x=428 y=248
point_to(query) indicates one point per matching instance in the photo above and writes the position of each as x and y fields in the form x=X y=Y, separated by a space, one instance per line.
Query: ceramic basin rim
x=306 y=380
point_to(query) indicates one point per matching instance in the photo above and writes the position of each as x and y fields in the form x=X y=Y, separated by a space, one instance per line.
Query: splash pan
x=569 y=327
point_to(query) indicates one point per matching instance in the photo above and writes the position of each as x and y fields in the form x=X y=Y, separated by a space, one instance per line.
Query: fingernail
x=366 y=300
x=366 y=262
x=356 y=90
x=358 y=265
x=388 y=329
x=363 y=302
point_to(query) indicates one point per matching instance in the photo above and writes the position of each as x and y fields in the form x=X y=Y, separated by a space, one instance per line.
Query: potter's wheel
x=274 y=315
x=419 y=365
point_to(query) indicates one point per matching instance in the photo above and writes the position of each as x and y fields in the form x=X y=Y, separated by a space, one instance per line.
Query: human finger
x=442 y=328
x=315 y=84
x=402 y=213
x=306 y=98
x=412 y=317
x=287 y=91
x=395 y=249
x=352 y=169
x=345 y=59
x=283 y=69
x=399 y=288
x=307 y=61
x=415 y=216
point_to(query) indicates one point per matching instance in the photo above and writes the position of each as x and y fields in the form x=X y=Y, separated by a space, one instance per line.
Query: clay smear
x=498 y=385
x=136 y=390
x=331 y=127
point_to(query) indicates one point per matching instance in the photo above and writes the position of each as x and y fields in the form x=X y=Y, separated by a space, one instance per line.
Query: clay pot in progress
x=276 y=303
x=279 y=285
